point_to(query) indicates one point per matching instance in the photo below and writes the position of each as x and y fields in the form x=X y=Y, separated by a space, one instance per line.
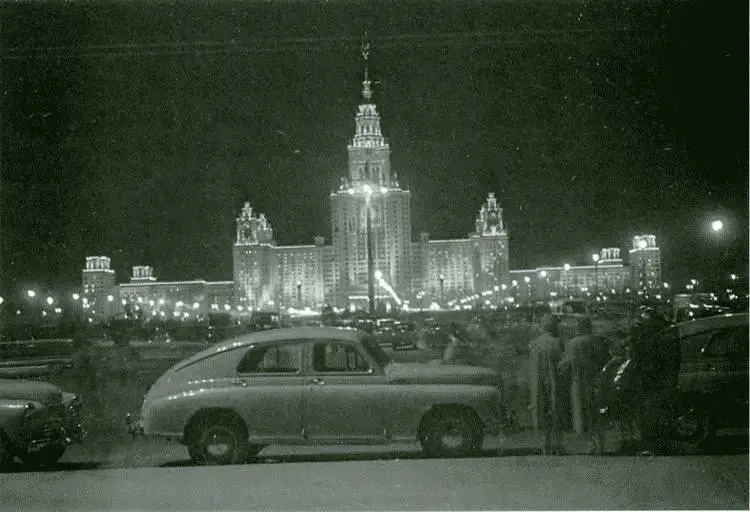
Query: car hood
x=43 y=392
x=421 y=373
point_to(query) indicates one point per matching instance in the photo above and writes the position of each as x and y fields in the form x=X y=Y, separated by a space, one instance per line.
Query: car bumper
x=63 y=435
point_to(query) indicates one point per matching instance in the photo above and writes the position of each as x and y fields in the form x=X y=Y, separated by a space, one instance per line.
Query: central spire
x=366 y=89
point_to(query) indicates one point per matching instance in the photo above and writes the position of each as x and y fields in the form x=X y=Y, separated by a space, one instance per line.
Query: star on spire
x=366 y=89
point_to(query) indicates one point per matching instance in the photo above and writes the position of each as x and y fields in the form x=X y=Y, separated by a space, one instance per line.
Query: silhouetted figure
x=584 y=358
x=458 y=350
x=545 y=353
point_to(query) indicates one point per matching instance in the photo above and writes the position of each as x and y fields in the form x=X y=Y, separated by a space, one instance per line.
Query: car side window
x=731 y=343
x=272 y=358
x=338 y=357
x=692 y=346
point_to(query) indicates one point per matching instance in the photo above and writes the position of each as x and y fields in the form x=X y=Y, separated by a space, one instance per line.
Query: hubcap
x=218 y=442
x=454 y=435
x=691 y=425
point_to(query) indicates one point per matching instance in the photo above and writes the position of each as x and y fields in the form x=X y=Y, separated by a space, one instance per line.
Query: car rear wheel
x=219 y=443
x=452 y=434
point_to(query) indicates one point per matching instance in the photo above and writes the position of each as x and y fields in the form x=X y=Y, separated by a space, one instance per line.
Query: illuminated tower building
x=645 y=263
x=253 y=258
x=387 y=236
x=491 y=267
x=99 y=287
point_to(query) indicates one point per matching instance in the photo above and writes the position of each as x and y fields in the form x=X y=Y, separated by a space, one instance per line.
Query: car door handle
x=318 y=381
x=240 y=382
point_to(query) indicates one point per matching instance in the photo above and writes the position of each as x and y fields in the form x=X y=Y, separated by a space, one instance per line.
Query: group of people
x=575 y=377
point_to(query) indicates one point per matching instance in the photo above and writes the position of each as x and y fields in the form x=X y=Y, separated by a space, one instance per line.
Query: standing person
x=545 y=353
x=457 y=350
x=584 y=358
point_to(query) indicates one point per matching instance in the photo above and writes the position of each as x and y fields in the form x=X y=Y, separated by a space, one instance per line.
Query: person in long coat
x=545 y=353
x=584 y=358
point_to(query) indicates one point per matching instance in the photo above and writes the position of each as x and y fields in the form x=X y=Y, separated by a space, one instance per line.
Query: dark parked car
x=713 y=380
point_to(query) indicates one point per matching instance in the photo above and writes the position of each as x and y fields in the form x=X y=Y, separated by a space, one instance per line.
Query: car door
x=344 y=397
x=270 y=378
x=724 y=366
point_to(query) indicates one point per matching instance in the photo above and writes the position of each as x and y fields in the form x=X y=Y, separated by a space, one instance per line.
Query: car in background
x=317 y=385
x=37 y=422
x=713 y=379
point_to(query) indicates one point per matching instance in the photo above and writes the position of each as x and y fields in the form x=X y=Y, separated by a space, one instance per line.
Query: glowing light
x=240 y=308
x=526 y=279
x=717 y=225
x=383 y=190
x=2 y=300
x=124 y=302
x=367 y=189
x=666 y=285
x=733 y=277
x=179 y=304
x=503 y=287
x=595 y=257
x=58 y=310
x=227 y=307
x=161 y=302
x=642 y=244
x=76 y=296
x=196 y=305
x=110 y=298
x=50 y=300
x=378 y=275
x=543 y=274
x=514 y=283
x=151 y=303
x=566 y=267
x=31 y=294
x=351 y=191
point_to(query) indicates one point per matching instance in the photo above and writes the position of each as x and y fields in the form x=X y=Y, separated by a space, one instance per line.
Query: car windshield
x=375 y=351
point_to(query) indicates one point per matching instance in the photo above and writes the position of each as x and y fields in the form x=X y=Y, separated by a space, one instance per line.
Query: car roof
x=271 y=335
x=712 y=322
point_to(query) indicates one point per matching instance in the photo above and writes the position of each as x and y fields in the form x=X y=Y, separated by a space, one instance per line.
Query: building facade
x=372 y=246
x=645 y=262
x=99 y=287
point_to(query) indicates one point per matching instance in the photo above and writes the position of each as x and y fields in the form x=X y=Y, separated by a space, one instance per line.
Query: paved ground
x=572 y=482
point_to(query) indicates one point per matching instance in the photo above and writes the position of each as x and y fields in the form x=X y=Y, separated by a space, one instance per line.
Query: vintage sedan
x=317 y=385
x=37 y=422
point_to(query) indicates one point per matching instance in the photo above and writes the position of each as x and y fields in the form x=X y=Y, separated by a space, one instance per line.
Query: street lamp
x=543 y=275
x=50 y=301
x=527 y=280
x=717 y=226
x=595 y=257
x=566 y=279
x=30 y=294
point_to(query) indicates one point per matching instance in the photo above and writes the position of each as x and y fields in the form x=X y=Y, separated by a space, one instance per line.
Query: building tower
x=645 y=263
x=253 y=261
x=370 y=186
x=491 y=265
x=99 y=288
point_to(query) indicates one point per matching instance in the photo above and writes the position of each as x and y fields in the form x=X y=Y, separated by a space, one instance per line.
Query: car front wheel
x=220 y=443
x=452 y=435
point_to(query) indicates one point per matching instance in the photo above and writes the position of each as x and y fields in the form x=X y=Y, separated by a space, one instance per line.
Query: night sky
x=137 y=130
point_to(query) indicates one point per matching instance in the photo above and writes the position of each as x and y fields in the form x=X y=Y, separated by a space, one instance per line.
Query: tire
x=6 y=459
x=452 y=434
x=219 y=443
x=47 y=456
x=252 y=450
